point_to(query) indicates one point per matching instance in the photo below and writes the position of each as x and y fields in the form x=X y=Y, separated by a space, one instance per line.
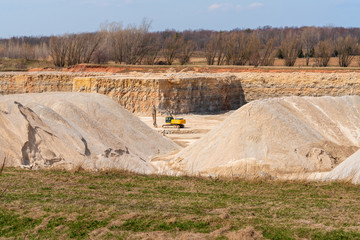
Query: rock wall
x=269 y=85
x=137 y=95
x=185 y=92
x=12 y=83
x=201 y=94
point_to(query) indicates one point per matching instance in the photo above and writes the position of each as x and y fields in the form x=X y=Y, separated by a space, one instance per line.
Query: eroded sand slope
x=75 y=129
x=348 y=170
x=273 y=137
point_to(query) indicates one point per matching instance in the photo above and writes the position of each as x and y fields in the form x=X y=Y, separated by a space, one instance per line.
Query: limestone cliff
x=185 y=92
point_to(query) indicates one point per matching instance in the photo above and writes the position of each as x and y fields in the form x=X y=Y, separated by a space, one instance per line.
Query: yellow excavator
x=171 y=122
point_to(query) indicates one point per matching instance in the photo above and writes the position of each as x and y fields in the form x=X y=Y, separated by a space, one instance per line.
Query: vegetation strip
x=137 y=45
x=58 y=204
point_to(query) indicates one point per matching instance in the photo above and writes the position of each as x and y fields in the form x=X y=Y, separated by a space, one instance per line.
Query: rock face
x=180 y=93
x=270 y=85
x=68 y=130
x=15 y=83
x=277 y=136
x=200 y=93
x=136 y=94
x=185 y=92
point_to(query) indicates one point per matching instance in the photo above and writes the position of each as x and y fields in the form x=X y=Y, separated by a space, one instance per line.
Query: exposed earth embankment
x=185 y=92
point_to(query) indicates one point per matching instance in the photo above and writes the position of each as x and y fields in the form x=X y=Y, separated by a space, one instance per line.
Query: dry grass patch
x=108 y=205
x=7 y=64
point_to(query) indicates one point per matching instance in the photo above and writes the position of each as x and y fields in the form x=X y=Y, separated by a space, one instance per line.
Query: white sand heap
x=275 y=137
x=348 y=170
x=68 y=130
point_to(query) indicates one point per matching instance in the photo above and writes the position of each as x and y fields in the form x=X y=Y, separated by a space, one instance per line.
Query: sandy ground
x=196 y=126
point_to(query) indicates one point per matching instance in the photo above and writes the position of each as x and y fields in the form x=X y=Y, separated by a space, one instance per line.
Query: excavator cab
x=169 y=118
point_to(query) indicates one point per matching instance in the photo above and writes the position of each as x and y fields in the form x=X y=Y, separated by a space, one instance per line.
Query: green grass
x=120 y=205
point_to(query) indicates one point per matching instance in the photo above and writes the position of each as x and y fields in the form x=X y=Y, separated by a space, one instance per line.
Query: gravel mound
x=68 y=130
x=277 y=136
x=348 y=170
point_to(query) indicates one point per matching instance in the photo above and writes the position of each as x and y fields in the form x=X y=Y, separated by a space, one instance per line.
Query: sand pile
x=68 y=130
x=348 y=170
x=275 y=136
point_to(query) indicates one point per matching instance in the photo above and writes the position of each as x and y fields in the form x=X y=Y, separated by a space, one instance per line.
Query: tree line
x=135 y=44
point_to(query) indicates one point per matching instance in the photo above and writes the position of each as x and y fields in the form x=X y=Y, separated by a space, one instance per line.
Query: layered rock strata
x=185 y=92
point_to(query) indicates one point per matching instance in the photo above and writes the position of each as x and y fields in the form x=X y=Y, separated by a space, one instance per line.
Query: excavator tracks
x=177 y=126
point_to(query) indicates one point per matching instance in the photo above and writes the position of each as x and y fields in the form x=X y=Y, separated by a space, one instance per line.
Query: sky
x=55 y=17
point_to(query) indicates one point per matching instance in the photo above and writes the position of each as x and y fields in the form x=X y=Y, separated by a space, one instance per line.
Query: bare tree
x=152 y=55
x=323 y=51
x=91 y=44
x=100 y=56
x=129 y=45
x=215 y=48
x=171 y=48
x=19 y=48
x=103 y=51
x=358 y=58
x=261 y=54
x=12 y=49
x=58 y=50
x=41 y=51
x=27 y=51
x=2 y=50
x=236 y=52
x=115 y=37
x=210 y=51
x=268 y=53
x=346 y=49
x=136 y=43
x=186 y=49
x=309 y=37
x=254 y=49
x=290 y=48
x=74 y=48
x=220 y=48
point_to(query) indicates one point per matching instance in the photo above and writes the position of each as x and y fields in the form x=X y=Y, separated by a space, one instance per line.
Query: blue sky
x=47 y=17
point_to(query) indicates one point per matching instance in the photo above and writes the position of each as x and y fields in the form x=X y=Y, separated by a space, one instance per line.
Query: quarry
x=185 y=91
x=276 y=124
x=184 y=120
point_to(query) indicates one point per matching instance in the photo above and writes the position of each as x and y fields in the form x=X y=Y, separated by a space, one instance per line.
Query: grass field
x=121 y=205
x=22 y=64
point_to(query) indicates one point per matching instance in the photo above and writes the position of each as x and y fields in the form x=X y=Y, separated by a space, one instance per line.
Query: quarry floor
x=196 y=126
